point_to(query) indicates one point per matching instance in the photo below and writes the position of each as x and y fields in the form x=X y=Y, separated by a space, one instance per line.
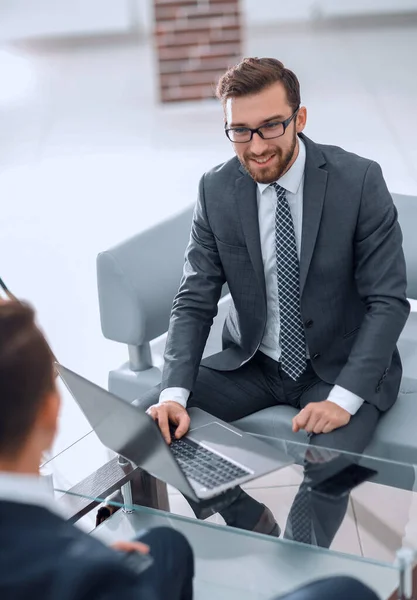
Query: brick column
x=196 y=41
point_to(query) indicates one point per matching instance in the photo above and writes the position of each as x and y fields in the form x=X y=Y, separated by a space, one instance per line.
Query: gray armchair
x=137 y=281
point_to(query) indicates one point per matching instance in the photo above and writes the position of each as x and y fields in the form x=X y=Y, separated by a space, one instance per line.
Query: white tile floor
x=88 y=158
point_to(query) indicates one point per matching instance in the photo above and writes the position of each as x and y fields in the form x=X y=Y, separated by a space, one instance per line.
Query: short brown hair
x=26 y=374
x=252 y=75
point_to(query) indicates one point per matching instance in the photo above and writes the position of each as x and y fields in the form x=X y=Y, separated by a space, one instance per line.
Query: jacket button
x=316 y=355
x=309 y=323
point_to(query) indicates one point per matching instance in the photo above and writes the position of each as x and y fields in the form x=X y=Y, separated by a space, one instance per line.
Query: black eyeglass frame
x=6 y=290
x=257 y=130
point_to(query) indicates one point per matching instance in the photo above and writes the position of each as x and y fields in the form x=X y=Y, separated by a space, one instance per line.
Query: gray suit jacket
x=352 y=276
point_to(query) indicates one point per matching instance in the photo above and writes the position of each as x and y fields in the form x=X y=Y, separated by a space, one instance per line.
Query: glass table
x=372 y=525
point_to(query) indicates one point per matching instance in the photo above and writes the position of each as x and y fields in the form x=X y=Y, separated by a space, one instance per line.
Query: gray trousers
x=259 y=384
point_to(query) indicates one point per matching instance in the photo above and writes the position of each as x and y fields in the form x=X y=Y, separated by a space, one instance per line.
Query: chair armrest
x=214 y=341
x=413 y=304
x=407 y=346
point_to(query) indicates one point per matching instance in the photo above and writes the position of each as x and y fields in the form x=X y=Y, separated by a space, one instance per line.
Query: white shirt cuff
x=345 y=399
x=175 y=394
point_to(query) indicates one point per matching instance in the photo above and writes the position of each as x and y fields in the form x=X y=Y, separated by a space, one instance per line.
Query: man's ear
x=48 y=417
x=301 y=119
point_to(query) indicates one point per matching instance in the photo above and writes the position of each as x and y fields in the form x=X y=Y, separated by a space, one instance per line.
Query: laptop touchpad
x=211 y=429
x=219 y=438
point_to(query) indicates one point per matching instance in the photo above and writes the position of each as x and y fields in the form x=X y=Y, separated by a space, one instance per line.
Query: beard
x=279 y=166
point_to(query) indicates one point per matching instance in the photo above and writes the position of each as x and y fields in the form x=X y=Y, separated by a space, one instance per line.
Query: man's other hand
x=170 y=412
x=131 y=547
x=321 y=417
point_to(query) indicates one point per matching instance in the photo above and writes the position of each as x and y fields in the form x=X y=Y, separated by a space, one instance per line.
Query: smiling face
x=266 y=160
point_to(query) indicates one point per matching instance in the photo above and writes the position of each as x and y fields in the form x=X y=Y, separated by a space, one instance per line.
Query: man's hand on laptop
x=173 y=413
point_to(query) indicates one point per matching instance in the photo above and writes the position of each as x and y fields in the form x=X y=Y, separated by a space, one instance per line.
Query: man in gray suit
x=307 y=239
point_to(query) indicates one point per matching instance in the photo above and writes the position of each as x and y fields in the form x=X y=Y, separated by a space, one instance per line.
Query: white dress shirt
x=28 y=489
x=35 y=490
x=293 y=182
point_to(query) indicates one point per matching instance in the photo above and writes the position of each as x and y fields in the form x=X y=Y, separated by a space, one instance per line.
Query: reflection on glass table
x=234 y=564
x=367 y=503
x=203 y=466
x=377 y=518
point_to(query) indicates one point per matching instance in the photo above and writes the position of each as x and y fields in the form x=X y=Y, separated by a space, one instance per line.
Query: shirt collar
x=27 y=489
x=292 y=179
x=34 y=490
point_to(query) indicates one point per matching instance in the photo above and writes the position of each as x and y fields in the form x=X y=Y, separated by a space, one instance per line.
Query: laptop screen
x=125 y=429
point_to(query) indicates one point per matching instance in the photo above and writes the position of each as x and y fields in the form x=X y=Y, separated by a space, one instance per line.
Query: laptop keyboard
x=207 y=468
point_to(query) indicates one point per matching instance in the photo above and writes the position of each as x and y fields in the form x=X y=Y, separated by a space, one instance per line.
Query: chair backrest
x=138 y=279
x=407 y=217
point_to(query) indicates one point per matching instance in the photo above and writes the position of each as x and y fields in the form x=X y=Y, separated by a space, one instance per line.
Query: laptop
x=212 y=459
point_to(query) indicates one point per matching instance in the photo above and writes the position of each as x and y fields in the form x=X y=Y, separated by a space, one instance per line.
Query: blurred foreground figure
x=42 y=555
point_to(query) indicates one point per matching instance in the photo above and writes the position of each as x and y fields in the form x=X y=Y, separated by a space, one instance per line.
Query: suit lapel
x=247 y=205
x=315 y=182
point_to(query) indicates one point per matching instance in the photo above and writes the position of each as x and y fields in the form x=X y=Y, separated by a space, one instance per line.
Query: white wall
x=260 y=12
x=350 y=7
x=273 y=11
x=29 y=18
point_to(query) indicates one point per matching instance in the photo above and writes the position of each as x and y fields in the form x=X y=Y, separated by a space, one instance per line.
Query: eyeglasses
x=269 y=131
x=5 y=289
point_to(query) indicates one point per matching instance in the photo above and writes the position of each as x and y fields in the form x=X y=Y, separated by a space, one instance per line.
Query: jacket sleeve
x=100 y=578
x=380 y=276
x=195 y=304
